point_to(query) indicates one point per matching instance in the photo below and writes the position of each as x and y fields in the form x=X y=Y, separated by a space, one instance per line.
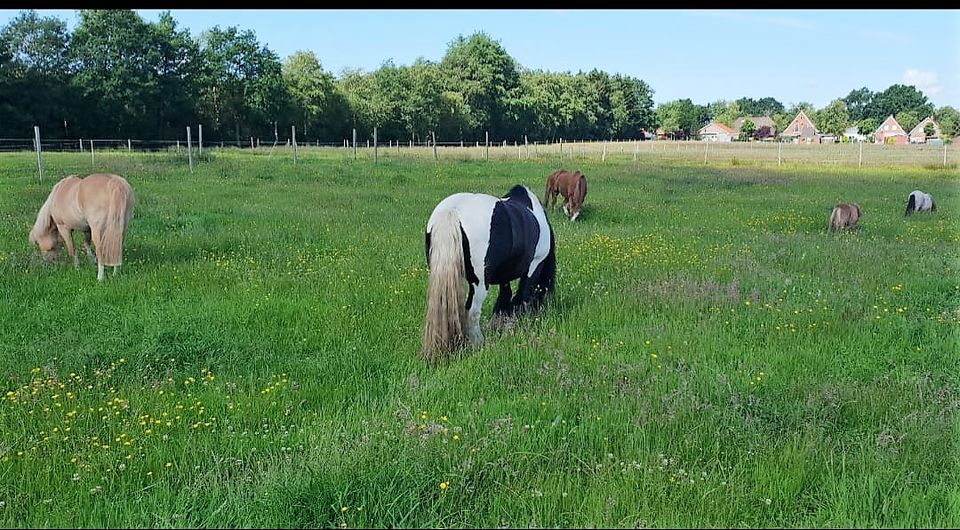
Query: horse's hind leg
x=478 y=294
x=502 y=309
x=87 y=241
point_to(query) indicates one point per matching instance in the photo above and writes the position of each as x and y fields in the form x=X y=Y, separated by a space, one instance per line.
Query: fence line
x=857 y=154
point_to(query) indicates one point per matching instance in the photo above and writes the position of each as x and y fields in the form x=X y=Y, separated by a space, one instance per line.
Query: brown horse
x=99 y=205
x=844 y=216
x=573 y=187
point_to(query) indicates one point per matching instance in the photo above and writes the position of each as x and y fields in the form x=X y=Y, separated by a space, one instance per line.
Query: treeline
x=119 y=76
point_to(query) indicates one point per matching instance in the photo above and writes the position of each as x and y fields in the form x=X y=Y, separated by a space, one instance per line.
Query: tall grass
x=713 y=357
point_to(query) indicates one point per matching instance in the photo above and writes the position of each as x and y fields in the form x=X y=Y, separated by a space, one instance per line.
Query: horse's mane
x=519 y=193
x=44 y=223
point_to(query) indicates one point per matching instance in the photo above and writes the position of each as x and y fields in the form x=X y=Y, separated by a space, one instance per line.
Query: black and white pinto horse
x=484 y=240
x=920 y=202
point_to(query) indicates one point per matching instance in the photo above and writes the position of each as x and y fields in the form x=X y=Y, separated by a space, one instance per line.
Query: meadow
x=712 y=357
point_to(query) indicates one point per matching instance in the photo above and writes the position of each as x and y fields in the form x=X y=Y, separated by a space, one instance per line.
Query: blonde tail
x=446 y=317
x=834 y=220
x=110 y=246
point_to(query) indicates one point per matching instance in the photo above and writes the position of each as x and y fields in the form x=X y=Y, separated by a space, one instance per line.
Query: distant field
x=712 y=358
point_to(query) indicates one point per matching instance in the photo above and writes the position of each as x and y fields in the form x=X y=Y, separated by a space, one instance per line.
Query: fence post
x=129 y=148
x=81 y=145
x=526 y=146
x=561 y=151
x=376 y=156
x=636 y=149
x=91 y=153
x=199 y=140
x=293 y=140
x=190 y=148
x=519 y=154
x=354 y=143
x=706 y=146
x=251 y=142
x=36 y=135
x=779 y=149
x=487 y=151
x=604 y=157
x=860 y=160
x=434 y=135
x=944 y=153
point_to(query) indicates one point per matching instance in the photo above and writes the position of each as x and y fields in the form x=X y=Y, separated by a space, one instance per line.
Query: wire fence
x=103 y=151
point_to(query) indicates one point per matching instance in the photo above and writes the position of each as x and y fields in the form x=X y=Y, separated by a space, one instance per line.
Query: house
x=801 y=130
x=890 y=132
x=852 y=134
x=918 y=134
x=758 y=121
x=716 y=132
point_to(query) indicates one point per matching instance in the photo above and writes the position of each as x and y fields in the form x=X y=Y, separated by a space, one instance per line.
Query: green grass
x=712 y=357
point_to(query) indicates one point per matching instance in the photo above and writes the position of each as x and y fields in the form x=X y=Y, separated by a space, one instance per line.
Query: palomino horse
x=920 y=202
x=484 y=240
x=844 y=216
x=573 y=187
x=99 y=205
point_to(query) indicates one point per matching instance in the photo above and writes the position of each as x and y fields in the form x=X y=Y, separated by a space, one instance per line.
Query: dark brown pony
x=573 y=187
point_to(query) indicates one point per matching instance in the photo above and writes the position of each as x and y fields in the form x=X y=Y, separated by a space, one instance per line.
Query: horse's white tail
x=446 y=313
x=110 y=246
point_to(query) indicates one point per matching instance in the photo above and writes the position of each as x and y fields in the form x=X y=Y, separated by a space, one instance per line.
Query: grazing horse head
x=573 y=187
x=99 y=205
x=919 y=201
x=484 y=240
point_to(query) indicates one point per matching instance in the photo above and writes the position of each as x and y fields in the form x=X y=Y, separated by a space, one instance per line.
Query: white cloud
x=926 y=82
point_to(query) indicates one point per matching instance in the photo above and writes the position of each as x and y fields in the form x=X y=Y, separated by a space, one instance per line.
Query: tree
x=111 y=51
x=763 y=132
x=949 y=120
x=34 y=75
x=908 y=119
x=782 y=121
x=747 y=130
x=833 y=118
x=897 y=99
x=763 y=107
x=681 y=117
x=729 y=113
x=858 y=103
x=488 y=78
x=175 y=58
x=929 y=130
x=242 y=82
x=310 y=88
x=868 y=126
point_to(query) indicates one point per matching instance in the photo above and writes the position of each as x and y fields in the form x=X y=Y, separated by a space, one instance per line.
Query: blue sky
x=704 y=55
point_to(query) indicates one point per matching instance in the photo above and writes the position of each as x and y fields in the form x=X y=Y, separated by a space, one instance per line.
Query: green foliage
x=242 y=83
x=682 y=117
x=833 y=119
x=898 y=99
x=868 y=126
x=908 y=119
x=117 y=75
x=310 y=89
x=747 y=130
x=949 y=120
x=727 y=113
